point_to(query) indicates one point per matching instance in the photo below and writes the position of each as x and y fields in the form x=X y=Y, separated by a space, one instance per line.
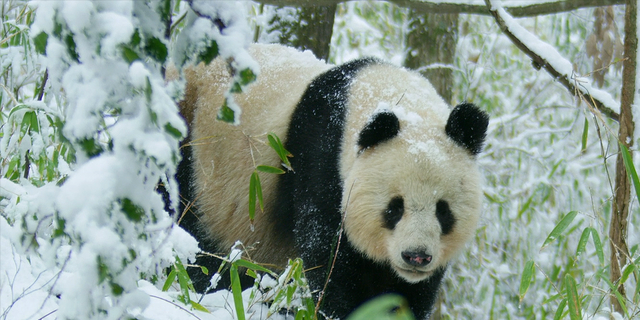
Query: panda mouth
x=413 y=274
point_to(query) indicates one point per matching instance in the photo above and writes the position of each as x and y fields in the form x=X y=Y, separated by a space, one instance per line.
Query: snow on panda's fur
x=373 y=145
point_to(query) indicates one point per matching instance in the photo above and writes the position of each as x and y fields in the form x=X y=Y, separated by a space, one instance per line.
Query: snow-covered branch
x=516 y=8
x=546 y=56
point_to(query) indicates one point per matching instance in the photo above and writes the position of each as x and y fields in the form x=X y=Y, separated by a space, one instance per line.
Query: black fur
x=467 y=126
x=189 y=221
x=445 y=217
x=309 y=203
x=382 y=127
x=393 y=213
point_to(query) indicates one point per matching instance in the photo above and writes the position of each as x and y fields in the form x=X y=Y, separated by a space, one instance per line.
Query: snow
x=23 y=283
x=534 y=165
x=553 y=58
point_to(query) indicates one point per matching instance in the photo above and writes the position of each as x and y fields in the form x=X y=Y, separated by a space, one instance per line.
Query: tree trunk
x=620 y=210
x=431 y=48
x=310 y=30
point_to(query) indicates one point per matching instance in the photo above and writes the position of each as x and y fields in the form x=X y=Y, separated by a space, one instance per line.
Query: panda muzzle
x=416 y=259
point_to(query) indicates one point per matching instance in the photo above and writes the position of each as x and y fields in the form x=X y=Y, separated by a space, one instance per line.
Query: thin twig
x=335 y=254
x=176 y=305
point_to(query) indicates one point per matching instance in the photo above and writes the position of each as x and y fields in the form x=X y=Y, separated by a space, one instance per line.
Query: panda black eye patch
x=393 y=213
x=445 y=217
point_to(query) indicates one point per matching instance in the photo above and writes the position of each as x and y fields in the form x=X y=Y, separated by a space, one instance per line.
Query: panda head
x=413 y=203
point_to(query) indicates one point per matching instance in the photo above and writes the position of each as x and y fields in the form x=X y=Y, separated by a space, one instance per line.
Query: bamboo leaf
x=258 y=194
x=236 y=290
x=388 y=306
x=269 y=169
x=560 y=311
x=585 y=134
x=627 y=271
x=170 y=279
x=631 y=169
x=225 y=113
x=183 y=280
x=252 y=195
x=582 y=244
x=598 y=244
x=250 y=265
x=40 y=42
x=560 y=227
x=276 y=144
x=527 y=275
x=573 y=300
x=199 y=307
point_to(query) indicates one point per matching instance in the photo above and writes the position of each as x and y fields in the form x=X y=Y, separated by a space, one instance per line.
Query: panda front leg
x=340 y=282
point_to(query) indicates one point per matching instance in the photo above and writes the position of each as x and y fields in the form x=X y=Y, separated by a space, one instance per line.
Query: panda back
x=224 y=155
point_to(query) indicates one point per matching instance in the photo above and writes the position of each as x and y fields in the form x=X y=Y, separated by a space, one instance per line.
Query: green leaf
x=40 y=42
x=573 y=300
x=269 y=169
x=170 y=279
x=29 y=122
x=560 y=227
x=252 y=266
x=209 y=53
x=183 y=280
x=129 y=55
x=71 y=48
x=172 y=131
x=136 y=39
x=103 y=270
x=156 y=49
x=585 y=135
x=204 y=270
x=226 y=114
x=598 y=245
x=252 y=195
x=116 y=289
x=148 y=91
x=259 y=193
x=582 y=244
x=199 y=307
x=247 y=76
x=627 y=271
x=236 y=290
x=131 y=210
x=527 y=276
x=389 y=306
x=631 y=169
x=283 y=153
x=90 y=147
x=560 y=311
x=235 y=87
x=59 y=231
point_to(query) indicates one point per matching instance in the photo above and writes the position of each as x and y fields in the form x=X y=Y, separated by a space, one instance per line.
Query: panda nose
x=416 y=259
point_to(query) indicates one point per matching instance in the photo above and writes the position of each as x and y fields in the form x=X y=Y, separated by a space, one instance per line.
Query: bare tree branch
x=547 y=57
x=469 y=7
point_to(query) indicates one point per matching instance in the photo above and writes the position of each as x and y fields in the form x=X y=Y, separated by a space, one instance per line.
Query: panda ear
x=467 y=126
x=381 y=127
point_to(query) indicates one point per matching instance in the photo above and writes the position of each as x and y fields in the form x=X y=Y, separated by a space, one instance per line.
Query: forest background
x=88 y=126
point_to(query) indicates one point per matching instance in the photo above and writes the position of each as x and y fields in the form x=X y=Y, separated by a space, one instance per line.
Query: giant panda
x=379 y=161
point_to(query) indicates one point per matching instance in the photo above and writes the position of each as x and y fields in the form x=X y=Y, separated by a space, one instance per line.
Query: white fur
x=421 y=164
x=226 y=155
